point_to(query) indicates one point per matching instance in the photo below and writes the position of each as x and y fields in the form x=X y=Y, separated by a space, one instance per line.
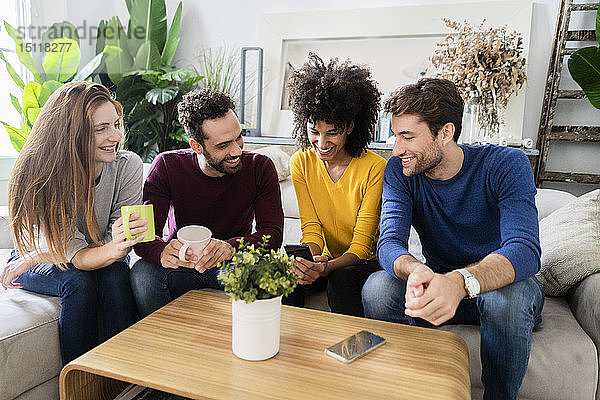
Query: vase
x=255 y=328
x=470 y=120
x=489 y=123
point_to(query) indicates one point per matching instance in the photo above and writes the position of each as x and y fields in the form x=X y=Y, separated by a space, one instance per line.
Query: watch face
x=472 y=285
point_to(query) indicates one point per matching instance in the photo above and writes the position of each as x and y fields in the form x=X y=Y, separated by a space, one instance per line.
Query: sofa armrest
x=584 y=300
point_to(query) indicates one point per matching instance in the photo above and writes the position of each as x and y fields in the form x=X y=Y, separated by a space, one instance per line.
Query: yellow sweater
x=341 y=217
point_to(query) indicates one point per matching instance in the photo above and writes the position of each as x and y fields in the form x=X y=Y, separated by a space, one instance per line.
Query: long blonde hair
x=53 y=177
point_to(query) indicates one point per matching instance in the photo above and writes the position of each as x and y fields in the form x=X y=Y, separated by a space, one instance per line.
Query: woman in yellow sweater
x=338 y=182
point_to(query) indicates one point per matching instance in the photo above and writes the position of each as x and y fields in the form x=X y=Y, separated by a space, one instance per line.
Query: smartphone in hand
x=355 y=346
x=299 y=250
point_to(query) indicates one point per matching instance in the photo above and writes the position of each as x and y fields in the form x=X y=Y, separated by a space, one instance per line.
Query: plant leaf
x=193 y=80
x=22 y=52
x=172 y=38
x=109 y=53
x=178 y=75
x=47 y=89
x=31 y=100
x=598 y=25
x=147 y=57
x=18 y=137
x=162 y=95
x=584 y=66
x=101 y=36
x=11 y=71
x=147 y=23
x=116 y=36
x=61 y=65
x=16 y=104
x=60 y=30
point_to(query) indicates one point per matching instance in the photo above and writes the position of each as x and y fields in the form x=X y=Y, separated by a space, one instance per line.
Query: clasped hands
x=215 y=251
x=309 y=271
x=431 y=296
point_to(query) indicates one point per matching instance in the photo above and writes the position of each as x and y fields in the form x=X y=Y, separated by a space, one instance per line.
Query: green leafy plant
x=256 y=272
x=584 y=66
x=145 y=81
x=61 y=64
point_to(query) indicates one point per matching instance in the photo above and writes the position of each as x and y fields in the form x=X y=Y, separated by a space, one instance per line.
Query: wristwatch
x=471 y=283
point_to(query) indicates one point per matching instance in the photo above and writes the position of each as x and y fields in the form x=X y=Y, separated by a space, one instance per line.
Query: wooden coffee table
x=185 y=348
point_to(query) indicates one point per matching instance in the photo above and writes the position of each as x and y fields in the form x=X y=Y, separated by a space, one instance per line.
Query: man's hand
x=169 y=258
x=309 y=271
x=433 y=297
x=215 y=251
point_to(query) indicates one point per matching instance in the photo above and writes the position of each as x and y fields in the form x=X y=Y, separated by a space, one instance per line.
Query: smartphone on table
x=355 y=346
x=299 y=250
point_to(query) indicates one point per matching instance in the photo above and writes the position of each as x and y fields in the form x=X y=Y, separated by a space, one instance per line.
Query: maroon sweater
x=227 y=205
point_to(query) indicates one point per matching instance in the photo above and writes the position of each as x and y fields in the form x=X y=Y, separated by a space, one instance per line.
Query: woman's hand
x=309 y=271
x=13 y=270
x=120 y=244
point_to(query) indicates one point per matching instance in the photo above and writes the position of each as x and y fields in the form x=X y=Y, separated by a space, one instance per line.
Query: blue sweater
x=487 y=207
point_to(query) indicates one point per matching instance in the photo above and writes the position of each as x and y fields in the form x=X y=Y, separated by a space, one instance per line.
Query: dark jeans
x=507 y=317
x=154 y=286
x=83 y=294
x=343 y=285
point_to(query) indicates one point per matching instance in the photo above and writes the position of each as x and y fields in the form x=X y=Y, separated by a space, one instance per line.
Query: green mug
x=146 y=211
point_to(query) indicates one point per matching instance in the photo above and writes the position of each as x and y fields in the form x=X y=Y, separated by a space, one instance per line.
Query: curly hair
x=437 y=101
x=199 y=105
x=337 y=93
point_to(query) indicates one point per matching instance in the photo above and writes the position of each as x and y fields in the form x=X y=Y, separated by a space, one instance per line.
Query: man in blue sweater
x=474 y=210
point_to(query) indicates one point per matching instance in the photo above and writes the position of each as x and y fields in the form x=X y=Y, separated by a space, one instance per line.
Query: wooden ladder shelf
x=547 y=131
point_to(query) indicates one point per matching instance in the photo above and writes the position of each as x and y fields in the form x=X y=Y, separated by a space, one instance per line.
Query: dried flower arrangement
x=487 y=60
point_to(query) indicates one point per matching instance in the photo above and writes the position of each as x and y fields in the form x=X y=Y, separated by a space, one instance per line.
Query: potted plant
x=144 y=77
x=257 y=278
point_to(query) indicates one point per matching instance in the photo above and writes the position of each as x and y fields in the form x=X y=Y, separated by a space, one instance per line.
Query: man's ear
x=447 y=132
x=196 y=147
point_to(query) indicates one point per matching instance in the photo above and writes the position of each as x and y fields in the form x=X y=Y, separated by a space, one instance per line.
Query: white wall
x=236 y=23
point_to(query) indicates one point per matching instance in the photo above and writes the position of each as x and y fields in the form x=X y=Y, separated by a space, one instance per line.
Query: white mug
x=195 y=237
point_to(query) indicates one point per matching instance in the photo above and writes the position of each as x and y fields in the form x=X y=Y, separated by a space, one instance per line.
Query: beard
x=426 y=161
x=221 y=165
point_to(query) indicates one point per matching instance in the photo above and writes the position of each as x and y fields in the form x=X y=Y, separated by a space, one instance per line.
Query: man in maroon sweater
x=214 y=184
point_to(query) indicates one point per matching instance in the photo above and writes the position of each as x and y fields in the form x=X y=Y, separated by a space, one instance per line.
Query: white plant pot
x=255 y=328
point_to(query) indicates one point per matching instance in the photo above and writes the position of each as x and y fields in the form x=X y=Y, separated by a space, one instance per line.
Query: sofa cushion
x=563 y=362
x=29 y=347
x=570 y=241
x=279 y=157
x=549 y=200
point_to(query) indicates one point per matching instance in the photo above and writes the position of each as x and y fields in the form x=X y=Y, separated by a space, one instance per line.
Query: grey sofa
x=563 y=364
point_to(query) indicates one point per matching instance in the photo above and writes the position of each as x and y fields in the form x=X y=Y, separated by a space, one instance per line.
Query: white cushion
x=550 y=200
x=279 y=157
x=570 y=241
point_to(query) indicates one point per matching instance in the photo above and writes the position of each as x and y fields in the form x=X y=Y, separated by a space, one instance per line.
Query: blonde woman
x=65 y=194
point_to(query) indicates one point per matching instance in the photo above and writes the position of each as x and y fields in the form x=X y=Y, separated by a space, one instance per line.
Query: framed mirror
x=395 y=42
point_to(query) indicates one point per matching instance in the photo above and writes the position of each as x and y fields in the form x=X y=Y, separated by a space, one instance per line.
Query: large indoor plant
x=257 y=278
x=584 y=66
x=60 y=64
x=144 y=78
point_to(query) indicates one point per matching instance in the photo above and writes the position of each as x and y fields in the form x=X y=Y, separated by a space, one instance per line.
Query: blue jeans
x=154 y=286
x=507 y=317
x=82 y=294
